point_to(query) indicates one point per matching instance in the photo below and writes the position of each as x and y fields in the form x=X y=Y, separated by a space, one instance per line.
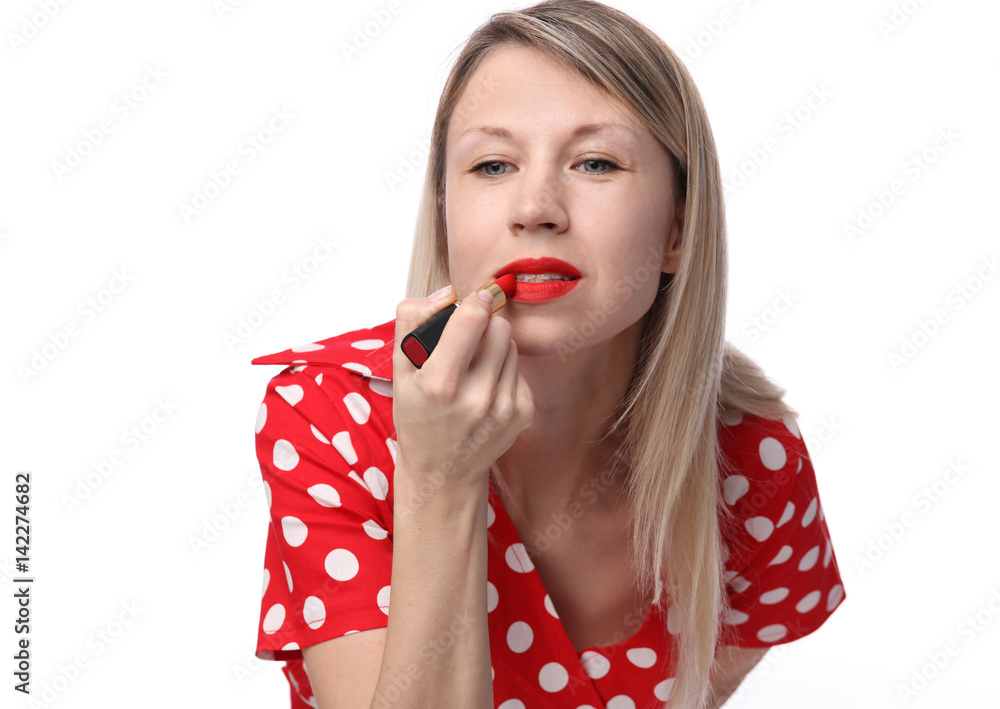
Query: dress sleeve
x=782 y=576
x=326 y=459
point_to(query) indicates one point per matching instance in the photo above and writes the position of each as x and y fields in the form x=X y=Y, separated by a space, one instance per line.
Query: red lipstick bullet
x=418 y=345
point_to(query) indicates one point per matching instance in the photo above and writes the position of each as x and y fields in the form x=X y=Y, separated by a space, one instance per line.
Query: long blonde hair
x=687 y=376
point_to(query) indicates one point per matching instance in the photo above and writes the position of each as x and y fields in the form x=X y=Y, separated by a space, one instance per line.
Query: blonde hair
x=687 y=376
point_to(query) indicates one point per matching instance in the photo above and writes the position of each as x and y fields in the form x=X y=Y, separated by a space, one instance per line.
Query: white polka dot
x=553 y=677
x=739 y=584
x=549 y=607
x=835 y=596
x=359 y=368
x=319 y=379
x=735 y=487
x=725 y=552
x=367 y=344
x=491 y=515
x=620 y=702
x=799 y=468
x=808 y=602
x=773 y=596
x=391 y=447
x=760 y=528
x=512 y=704
x=643 y=657
x=382 y=598
x=377 y=482
x=267 y=581
x=319 y=435
x=374 y=530
x=809 y=559
x=291 y=646
x=810 y=513
x=782 y=556
x=294 y=530
x=492 y=597
x=518 y=559
x=791 y=425
x=732 y=418
x=493 y=673
x=827 y=554
x=772 y=454
x=519 y=636
x=595 y=664
x=341 y=565
x=314 y=612
x=663 y=690
x=292 y=394
x=310 y=347
x=380 y=387
x=342 y=442
x=288 y=576
x=274 y=618
x=294 y=370
x=285 y=456
x=267 y=494
x=261 y=418
x=787 y=514
x=735 y=617
x=771 y=633
x=357 y=407
x=325 y=495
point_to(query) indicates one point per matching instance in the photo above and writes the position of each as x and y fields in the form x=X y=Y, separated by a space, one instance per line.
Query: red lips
x=543 y=264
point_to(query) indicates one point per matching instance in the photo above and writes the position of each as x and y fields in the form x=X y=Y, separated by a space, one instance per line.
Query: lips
x=543 y=264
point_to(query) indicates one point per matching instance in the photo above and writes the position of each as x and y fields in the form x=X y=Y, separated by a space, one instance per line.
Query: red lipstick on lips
x=418 y=345
x=549 y=290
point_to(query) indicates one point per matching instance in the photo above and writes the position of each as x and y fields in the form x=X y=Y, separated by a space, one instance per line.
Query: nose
x=538 y=202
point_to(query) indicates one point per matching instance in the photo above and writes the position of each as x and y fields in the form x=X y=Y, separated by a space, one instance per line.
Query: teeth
x=539 y=277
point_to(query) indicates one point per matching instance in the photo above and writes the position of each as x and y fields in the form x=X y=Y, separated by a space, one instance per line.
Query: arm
x=435 y=650
x=732 y=664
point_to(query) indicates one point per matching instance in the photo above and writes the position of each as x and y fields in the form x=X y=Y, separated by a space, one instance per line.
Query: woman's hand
x=467 y=403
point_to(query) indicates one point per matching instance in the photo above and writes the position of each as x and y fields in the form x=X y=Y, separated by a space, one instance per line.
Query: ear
x=672 y=253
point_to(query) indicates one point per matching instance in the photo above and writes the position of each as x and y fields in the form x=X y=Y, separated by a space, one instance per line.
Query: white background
x=879 y=433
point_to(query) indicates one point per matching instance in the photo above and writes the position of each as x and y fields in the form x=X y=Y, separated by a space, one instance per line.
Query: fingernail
x=486 y=295
x=439 y=294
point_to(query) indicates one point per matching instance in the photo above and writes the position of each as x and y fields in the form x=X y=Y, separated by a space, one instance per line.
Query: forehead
x=514 y=81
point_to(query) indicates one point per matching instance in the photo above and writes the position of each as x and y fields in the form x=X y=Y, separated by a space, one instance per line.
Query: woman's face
x=599 y=200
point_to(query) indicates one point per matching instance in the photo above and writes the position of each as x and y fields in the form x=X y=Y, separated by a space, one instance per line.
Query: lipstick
x=418 y=345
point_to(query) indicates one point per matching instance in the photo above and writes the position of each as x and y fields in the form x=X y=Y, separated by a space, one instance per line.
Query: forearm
x=437 y=650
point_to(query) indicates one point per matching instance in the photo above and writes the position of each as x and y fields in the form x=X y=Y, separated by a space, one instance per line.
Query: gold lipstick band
x=499 y=297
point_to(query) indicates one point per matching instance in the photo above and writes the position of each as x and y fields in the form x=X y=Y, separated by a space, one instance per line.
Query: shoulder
x=340 y=386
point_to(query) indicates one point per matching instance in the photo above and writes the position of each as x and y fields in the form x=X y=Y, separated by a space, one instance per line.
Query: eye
x=591 y=161
x=488 y=164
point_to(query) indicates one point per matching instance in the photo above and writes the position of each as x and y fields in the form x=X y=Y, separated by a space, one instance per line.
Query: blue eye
x=489 y=162
x=610 y=167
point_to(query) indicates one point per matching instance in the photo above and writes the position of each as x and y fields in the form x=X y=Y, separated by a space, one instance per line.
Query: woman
x=586 y=499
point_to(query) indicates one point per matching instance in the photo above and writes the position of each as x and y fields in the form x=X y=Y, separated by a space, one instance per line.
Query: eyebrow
x=578 y=132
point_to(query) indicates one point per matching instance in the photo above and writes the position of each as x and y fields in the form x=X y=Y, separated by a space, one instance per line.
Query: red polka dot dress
x=327 y=449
